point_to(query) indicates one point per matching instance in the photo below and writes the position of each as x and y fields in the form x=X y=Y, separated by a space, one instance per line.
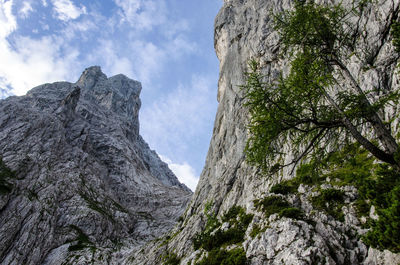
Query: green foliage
x=284 y=188
x=207 y=207
x=82 y=239
x=212 y=237
x=97 y=206
x=171 y=259
x=308 y=107
x=232 y=213
x=168 y=238
x=395 y=31
x=314 y=26
x=284 y=111
x=306 y=173
x=218 y=238
x=236 y=215
x=205 y=239
x=255 y=231
x=292 y=212
x=5 y=175
x=385 y=232
x=275 y=204
x=378 y=184
x=271 y=205
x=331 y=201
x=236 y=256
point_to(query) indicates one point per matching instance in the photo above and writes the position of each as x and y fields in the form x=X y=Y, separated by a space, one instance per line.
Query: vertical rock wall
x=243 y=30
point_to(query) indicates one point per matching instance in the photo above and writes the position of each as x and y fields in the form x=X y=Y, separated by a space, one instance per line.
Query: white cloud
x=26 y=9
x=45 y=27
x=82 y=29
x=145 y=59
x=142 y=14
x=174 y=122
x=45 y=59
x=149 y=59
x=29 y=62
x=8 y=22
x=180 y=46
x=184 y=172
x=33 y=62
x=66 y=10
x=44 y=3
x=176 y=27
x=107 y=55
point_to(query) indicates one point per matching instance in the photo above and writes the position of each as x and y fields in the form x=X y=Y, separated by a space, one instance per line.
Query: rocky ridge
x=86 y=184
x=232 y=198
x=243 y=30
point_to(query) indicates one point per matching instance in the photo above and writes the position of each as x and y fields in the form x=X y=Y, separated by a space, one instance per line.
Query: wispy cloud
x=29 y=62
x=119 y=48
x=32 y=62
x=66 y=10
x=112 y=61
x=142 y=14
x=173 y=123
x=26 y=9
x=184 y=172
x=8 y=22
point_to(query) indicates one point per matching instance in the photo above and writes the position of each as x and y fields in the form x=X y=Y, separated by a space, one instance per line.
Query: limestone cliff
x=88 y=189
x=85 y=182
x=243 y=30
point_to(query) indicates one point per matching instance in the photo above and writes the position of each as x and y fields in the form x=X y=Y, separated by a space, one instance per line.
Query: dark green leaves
x=313 y=26
x=292 y=109
x=395 y=31
x=319 y=104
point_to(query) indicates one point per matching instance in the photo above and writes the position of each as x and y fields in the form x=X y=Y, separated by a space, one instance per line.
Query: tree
x=318 y=105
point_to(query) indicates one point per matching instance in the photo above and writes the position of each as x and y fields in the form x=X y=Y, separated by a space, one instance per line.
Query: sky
x=167 y=45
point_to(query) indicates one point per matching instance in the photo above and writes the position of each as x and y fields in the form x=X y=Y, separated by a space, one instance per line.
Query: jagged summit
x=90 y=77
x=85 y=179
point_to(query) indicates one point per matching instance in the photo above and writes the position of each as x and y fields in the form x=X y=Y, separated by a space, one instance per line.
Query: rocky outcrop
x=244 y=30
x=86 y=184
x=88 y=189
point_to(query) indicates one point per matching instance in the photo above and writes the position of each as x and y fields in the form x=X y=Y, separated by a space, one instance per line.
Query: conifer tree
x=319 y=104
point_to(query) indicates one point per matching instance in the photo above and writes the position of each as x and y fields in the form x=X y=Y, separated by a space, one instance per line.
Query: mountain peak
x=90 y=77
x=76 y=148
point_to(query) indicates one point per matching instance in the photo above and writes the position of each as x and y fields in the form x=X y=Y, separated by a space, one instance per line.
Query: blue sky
x=167 y=45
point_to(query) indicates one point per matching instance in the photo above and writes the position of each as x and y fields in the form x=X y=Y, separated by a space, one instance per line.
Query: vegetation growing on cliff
x=378 y=185
x=235 y=256
x=319 y=105
x=82 y=241
x=275 y=204
x=5 y=175
x=214 y=239
x=322 y=109
x=171 y=259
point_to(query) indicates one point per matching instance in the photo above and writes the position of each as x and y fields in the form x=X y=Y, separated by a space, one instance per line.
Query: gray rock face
x=81 y=191
x=243 y=30
x=86 y=182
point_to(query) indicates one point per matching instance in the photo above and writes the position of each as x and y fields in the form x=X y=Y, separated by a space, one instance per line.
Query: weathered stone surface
x=86 y=181
x=243 y=30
